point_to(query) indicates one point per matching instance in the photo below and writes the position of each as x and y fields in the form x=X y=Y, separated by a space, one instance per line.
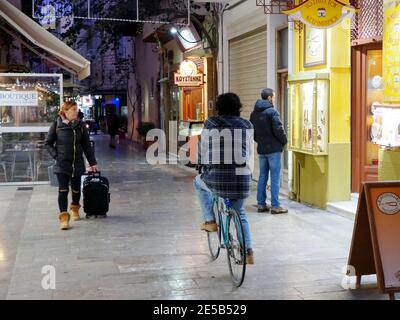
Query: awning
x=45 y=40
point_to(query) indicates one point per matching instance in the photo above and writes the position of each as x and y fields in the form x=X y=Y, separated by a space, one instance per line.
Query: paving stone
x=150 y=246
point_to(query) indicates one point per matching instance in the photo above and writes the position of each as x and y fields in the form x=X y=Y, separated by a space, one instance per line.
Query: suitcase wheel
x=95 y=216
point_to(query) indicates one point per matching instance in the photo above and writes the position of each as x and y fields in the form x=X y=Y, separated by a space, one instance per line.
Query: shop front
x=192 y=84
x=367 y=90
x=385 y=129
x=319 y=102
x=29 y=102
x=375 y=97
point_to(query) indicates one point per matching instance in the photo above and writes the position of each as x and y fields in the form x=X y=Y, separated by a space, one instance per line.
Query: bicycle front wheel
x=236 y=250
x=214 y=238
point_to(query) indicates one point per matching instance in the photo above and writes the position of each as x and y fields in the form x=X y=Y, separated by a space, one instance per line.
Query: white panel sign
x=19 y=98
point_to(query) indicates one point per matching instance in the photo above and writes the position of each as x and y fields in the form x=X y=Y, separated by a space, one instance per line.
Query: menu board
x=374 y=248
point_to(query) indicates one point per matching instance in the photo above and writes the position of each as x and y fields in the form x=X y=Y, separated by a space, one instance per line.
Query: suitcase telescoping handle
x=93 y=174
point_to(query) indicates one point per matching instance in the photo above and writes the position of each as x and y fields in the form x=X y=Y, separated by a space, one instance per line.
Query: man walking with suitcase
x=271 y=139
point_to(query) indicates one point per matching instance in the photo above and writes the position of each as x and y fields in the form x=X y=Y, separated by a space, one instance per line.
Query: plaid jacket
x=225 y=161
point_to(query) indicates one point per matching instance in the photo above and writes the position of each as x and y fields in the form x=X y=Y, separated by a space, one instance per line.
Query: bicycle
x=232 y=234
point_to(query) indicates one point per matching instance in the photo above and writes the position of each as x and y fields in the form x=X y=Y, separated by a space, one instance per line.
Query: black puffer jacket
x=268 y=128
x=66 y=143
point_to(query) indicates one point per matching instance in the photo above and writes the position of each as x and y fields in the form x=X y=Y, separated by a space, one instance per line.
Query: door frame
x=360 y=171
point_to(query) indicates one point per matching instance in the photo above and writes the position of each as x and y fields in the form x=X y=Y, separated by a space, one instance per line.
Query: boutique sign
x=321 y=14
x=19 y=98
x=188 y=75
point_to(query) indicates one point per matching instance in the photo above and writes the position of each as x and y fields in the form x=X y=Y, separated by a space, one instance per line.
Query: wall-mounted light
x=187 y=37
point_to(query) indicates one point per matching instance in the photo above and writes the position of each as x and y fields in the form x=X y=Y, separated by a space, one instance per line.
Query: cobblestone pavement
x=150 y=246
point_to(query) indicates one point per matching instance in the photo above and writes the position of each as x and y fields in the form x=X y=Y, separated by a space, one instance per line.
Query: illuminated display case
x=190 y=128
x=385 y=130
x=309 y=109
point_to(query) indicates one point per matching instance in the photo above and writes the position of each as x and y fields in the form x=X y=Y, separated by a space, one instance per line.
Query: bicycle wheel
x=214 y=238
x=236 y=250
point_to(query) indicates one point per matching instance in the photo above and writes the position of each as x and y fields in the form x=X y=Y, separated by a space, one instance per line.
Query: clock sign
x=389 y=203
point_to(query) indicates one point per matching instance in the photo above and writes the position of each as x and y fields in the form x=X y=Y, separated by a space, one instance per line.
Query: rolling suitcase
x=96 y=195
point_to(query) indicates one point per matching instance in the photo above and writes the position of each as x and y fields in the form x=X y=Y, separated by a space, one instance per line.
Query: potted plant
x=143 y=129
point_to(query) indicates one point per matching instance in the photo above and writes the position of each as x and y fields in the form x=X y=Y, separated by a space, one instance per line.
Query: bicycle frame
x=228 y=217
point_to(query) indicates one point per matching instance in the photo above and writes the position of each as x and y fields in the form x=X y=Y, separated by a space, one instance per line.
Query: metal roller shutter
x=248 y=68
x=248 y=73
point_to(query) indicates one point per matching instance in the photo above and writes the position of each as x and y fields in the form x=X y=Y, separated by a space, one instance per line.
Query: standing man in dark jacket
x=271 y=139
x=66 y=142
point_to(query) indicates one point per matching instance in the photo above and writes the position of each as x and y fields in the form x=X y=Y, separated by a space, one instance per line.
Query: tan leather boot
x=64 y=219
x=75 y=211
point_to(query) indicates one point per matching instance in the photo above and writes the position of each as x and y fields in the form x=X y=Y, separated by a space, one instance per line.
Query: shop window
x=374 y=95
x=283 y=48
x=309 y=105
x=193 y=109
x=28 y=105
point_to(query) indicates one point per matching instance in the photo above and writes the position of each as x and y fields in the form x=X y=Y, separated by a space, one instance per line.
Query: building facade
x=253 y=55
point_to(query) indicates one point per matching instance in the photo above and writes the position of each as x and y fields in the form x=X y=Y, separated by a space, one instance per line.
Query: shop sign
x=19 y=98
x=188 y=75
x=321 y=14
x=374 y=247
x=391 y=52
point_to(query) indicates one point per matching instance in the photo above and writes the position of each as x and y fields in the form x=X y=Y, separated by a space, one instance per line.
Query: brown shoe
x=278 y=210
x=249 y=256
x=263 y=208
x=209 y=226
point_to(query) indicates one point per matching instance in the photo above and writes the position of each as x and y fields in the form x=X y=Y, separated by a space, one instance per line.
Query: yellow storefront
x=320 y=103
x=387 y=115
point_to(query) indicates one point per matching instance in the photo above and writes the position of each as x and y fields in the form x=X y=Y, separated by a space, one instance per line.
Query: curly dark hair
x=228 y=104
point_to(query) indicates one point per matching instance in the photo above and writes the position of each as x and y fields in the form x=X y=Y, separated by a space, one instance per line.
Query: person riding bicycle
x=225 y=138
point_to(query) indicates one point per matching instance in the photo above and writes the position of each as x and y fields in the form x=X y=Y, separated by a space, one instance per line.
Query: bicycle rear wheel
x=236 y=250
x=214 y=238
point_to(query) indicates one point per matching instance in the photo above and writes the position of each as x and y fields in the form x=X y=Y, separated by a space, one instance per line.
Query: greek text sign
x=188 y=75
x=321 y=14
x=188 y=81
x=19 y=98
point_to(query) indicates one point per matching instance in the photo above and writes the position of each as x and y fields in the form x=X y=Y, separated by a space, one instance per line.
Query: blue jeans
x=206 y=202
x=269 y=163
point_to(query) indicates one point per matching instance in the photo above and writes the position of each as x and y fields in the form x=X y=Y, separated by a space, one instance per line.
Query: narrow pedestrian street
x=150 y=246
